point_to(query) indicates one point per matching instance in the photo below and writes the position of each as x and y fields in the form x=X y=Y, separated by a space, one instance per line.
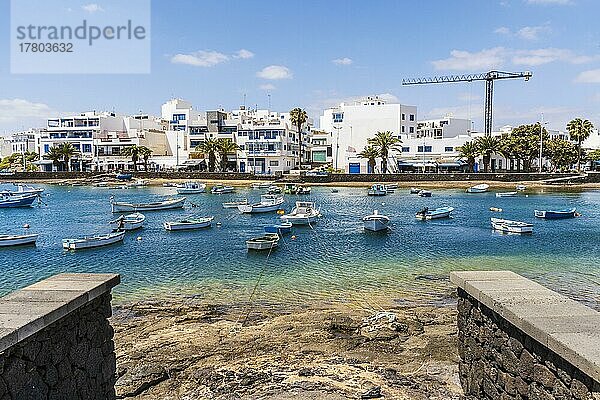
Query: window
x=411 y=129
x=274 y=163
x=46 y=148
x=319 y=156
x=338 y=117
x=178 y=117
x=448 y=148
x=86 y=148
x=406 y=149
x=412 y=117
x=402 y=128
x=428 y=149
x=403 y=117
x=329 y=151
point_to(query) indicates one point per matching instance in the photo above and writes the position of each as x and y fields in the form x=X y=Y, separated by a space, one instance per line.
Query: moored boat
x=191 y=188
x=123 y=176
x=290 y=188
x=22 y=190
x=436 y=213
x=507 y=226
x=266 y=242
x=424 y=193
x=377 y=189
x=303 y=190
x=506 y=194
x=157 y=206
x=279 y=228
x=261 y=185
x=222 y=189
x=274 y=190
x=138 y=183
x=17 y=240
x=268 y=202
x=376 y=222
x=414 y=190
x=521 y=188
x=93 y=241
x=11 y=201
x=235 y=204
x=556 y=214
x=478 y=188
x=304 y=213
x=188 y=224
x=128 y=222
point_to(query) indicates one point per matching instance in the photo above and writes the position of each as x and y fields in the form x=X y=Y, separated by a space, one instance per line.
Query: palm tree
x=385 y=142
x=469 y=151
x=225 y=147
x=579 y=131
x=54 y=154
x=487 y=145
x=145 y=153
x=370 y=153
x=298 y=117
x=132 y=152
x=209 y=147
x=68 y=152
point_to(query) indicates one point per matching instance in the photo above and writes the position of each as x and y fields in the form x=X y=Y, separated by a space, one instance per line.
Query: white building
x=351 y=125
x=321 y=152
x=19 y=142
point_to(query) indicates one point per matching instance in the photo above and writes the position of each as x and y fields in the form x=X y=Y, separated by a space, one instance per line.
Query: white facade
x=322 y=148
x=351 y=125
x=19 y=142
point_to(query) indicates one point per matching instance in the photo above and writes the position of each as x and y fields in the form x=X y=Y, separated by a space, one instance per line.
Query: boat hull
x=190 y=191
x=278 y=228
x=506 y=194
x=260 y=207
x=506 y=226
x=434 y=214
x=179 y=226
x=130 y=222
x=267 y=242
x=93 y=242
x=17 y=240
x=18 y=201
x=376 y=225
x=555 y=214
x=478 y=188
x=167 y=205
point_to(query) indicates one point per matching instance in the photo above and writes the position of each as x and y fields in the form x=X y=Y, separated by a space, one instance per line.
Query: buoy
x=26 y=226
x=293 y=237
x=280 y=212
x=139 y=238
x=383 y=203
x=219 y=224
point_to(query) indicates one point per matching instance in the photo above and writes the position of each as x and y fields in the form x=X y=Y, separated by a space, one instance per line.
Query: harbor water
x=333 y=261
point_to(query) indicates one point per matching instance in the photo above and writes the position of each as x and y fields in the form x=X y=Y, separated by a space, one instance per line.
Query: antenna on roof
x=244 y=100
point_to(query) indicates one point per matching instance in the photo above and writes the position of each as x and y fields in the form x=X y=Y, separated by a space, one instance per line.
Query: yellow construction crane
x=488 y=77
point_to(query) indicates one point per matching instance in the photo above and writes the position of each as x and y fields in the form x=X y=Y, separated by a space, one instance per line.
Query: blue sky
x=314 y=54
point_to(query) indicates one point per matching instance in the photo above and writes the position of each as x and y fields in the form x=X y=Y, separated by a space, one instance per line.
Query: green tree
x=468 y=151
x=210 y=148
x=298 y=117
x=68 y=151
x=592 y=156
x=579 y=130
x=226 y=147
x=562 y=153
x=370 y=153
x=487 y=145
x=145 y=154
x=133 y=152
x=55 y=154
x=385 y=142
x=525 y=142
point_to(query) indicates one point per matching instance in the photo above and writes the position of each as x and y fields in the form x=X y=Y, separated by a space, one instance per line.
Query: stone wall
x=60 y=345
x=500 y=361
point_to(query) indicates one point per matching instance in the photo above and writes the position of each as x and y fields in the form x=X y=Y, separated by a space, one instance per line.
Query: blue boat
x=281 y=228
x=122 y=176
x=11 y=201
x=556 y=214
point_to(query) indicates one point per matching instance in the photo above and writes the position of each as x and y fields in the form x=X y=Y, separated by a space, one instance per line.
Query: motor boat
x=506 y=194
x=24 y=200
x=478 y=188
x=279 y=228
x=436 y=213
x=191 y=188
x=123 y=176
x=424 y=193
x=414 y=190
x=261 y=185
x=266 y=242
x=93 y=241
x=22 y=190
x=222 y=189
x=268 y=202
x=304 y=213
x=521 y=188
x=138 y=183
x=274 y=190
x=507 y=226
x=17 y=240
x=376 y=222
x=290 y=188
x=157 y=206
x=556 y=214
x=235 y=204
x=377 y=189
x=128 y=222
x=303 y=190
x=188 y=224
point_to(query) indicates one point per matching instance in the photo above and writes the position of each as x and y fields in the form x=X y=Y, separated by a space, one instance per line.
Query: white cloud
x=547 y=2
x=92 y=8
x=275 y=72
x=590 y=76
x=243 y=54
x=461 y=60
x=502 y=30
x=544 y=56
x=267 y=86
x=20 y=113
x=200 y=58
x=342 y=61
x=532 y=32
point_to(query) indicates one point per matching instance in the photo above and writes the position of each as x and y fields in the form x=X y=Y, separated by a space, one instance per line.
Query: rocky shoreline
x=190 y=350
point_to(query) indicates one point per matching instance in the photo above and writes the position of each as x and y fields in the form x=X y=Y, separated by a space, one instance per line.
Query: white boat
x=268 y=202
x=266 y=242
x=93 y=241
x=22 y=190
x=304 y=213
x=303 y=190
x=504 y=225
x=21 y=200
x=235 y=204
x=391 y=188
x=521 y=188
x=377 y=189
x=188 y=224
x=425 y=193
x=138 y=183
x=506 y=194
x=161 y=205
x=478 y=188
x=191 y=188
x=222 y=189
x=261 y=185
x=128 y=222
x=274 y=190
x=376 y=222
x=414 y=190
x=17 y=240
x=426 y=213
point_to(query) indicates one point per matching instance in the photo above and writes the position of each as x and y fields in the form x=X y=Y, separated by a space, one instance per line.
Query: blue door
x=242 y=166
x=354 y=168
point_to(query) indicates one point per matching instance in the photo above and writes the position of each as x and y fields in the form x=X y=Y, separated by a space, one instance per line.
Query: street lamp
x=337 y=148
x=542 y=123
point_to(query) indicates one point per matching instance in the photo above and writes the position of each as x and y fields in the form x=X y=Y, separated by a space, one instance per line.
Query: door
x=354 y=168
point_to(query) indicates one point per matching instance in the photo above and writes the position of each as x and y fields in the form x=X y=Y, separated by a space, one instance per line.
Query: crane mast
x=488 y=77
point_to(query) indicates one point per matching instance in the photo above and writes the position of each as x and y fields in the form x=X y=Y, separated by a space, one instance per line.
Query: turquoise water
x=336 y=261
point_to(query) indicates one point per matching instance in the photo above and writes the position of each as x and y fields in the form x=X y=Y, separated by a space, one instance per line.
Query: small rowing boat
x=128 y=222
x=157 y=206
x=93 y=241
x=188 y=224
x=506 y=194
x=478 y=188
x=507 y=226
x=376 y=222
x=222 y=189
x=268 y=202
x=377 y=189
x=280 y=228
x=436 y=213
x=17 y=240
x=191 y=188
x=266 y=242
x=424 y=193
x=556 y=214
x=235 y=204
